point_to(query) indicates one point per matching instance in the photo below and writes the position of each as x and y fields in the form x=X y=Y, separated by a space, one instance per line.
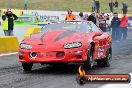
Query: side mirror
x=98 y=34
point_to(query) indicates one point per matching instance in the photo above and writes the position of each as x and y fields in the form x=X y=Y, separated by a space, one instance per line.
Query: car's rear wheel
x=27 y=66
x=89 y=62
x=106 y=61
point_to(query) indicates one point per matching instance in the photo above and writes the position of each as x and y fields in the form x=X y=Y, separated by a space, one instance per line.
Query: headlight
x=25 y=46
x=73 y=45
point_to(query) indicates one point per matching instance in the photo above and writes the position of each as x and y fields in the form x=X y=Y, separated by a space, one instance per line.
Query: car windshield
x=77 y=27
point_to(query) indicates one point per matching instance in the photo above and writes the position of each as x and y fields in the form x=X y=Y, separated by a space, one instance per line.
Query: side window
x=95 y=28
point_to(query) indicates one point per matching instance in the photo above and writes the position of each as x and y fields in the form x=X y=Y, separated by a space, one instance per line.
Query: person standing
x=81 y=17
x=93 y=6
x=92 y=18
x=97 y=4
x=25 y=4
x=123 y=26
x=125 y=7
x=116 y=5
x=8 y=22
x=115 y=25
x=85 y=17
x=97 y=18
x=70 y=16
x=102 y=22
x=111 y=5
x=107 y=16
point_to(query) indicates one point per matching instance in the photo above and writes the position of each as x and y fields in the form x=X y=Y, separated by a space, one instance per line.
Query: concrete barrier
x=8 y=44
x=31 y=31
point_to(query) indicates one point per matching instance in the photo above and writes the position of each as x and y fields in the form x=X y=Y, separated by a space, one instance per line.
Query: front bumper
x=65 y=56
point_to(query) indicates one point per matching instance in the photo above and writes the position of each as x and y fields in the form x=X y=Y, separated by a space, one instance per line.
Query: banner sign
x=47 y=16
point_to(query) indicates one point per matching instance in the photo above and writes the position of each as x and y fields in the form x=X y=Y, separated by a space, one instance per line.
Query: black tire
x=106 y=61
x=27 y=66
x=42 y=64
x=89 y=62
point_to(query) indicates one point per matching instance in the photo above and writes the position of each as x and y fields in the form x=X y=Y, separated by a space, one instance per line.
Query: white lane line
x=118 y=85
x=8 y=54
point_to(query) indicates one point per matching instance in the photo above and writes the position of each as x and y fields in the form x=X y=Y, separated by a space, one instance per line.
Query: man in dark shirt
x=8 y=22
x=111 y=5
x=116 y=5
x=92 y=18
x=125 y=7
x=115 y=24
x=97 y=4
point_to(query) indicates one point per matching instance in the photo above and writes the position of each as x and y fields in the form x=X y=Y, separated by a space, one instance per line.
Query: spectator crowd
x=105 y=21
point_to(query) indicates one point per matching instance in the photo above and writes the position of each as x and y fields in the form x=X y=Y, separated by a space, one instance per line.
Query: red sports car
x=67 y=42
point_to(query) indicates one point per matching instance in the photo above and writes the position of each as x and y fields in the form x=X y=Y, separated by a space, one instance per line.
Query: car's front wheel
x=106 y=61
x=89 y=62
x=27 y=66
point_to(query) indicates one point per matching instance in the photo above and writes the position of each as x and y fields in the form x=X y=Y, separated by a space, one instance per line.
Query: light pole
x=26 y=4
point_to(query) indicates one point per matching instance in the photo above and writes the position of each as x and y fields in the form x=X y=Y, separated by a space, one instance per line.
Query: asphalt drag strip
x=46 y=76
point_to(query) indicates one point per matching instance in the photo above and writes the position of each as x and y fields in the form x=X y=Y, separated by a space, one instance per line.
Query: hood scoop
x=64 y=34
x=41 y=44
x=42 y=37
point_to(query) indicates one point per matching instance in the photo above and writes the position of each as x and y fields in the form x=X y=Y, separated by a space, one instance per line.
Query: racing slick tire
x=27 y=66
x=89 y=62
x=106 y=61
